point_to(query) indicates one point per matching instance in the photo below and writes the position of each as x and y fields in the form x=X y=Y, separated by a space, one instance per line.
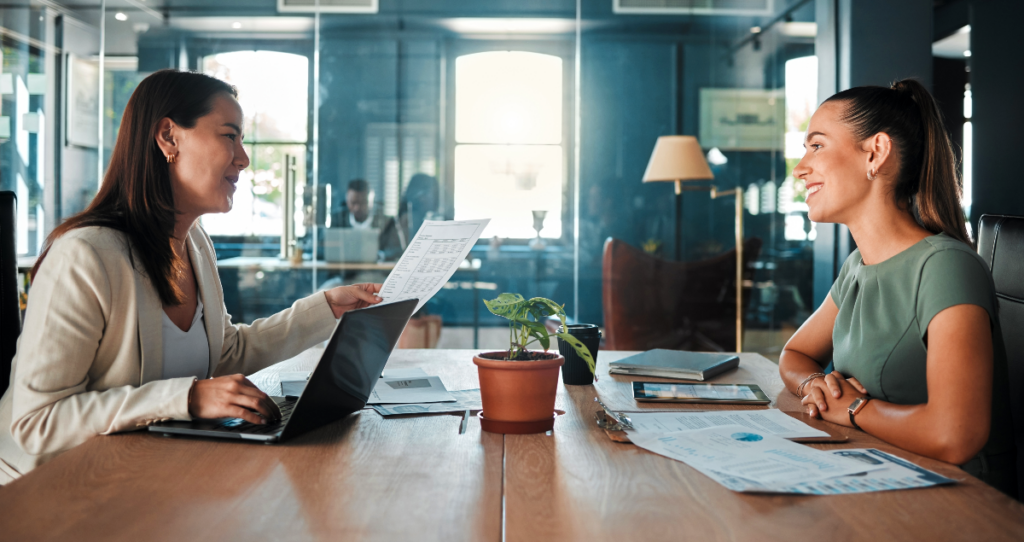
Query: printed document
x=432 y=257
x=771 y=421
x=404 y=390
x=750 y=454
x=404 y=373
x=464 y=400
x=294 y=383
x=896 y=474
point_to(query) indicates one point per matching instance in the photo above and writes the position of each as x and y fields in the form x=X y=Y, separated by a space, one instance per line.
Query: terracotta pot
x=518 y=391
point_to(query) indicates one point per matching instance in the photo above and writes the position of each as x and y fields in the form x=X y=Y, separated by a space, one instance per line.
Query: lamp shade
x=677 y=158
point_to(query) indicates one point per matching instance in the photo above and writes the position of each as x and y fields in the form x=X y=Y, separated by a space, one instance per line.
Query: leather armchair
x=1001 y=245
x=654 y=303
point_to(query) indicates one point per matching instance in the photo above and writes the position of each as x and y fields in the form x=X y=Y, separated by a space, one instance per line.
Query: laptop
x=351 y=245
x=340 y=385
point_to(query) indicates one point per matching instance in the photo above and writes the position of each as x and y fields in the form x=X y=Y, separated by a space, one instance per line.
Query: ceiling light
x=500 y=25
x=967 y=53
x=800 y=29
x=120 y=16
x=236 y=25
x=755 y=30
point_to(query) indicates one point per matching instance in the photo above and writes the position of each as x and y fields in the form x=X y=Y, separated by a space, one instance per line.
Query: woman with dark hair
x=911 y=323
x=126 y=323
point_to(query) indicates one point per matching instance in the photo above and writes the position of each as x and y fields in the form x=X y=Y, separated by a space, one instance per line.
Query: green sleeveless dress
x=884 y=312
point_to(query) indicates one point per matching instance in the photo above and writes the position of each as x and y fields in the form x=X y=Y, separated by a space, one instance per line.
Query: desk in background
x=271 y=284
x=416 y=478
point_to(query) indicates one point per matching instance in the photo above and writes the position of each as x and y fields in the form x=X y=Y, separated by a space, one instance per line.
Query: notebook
x=675 y=364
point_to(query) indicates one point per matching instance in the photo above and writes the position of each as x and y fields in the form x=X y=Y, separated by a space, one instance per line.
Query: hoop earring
x=171 y=158
x=872 y=174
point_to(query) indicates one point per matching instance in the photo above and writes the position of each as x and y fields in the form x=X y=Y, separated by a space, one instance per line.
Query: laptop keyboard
x=238 y=425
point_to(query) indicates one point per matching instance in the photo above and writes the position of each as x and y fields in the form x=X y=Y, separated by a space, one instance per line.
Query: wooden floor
x=417 y=478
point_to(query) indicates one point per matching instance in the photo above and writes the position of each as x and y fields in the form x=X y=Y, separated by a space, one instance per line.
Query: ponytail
x=927 y=183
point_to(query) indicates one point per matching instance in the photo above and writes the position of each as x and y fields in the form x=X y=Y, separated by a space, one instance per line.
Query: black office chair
x=1001 y=244
x=10 y=308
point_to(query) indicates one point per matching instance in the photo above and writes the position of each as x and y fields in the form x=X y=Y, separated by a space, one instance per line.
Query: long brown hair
x=135 y=197
x=927 y=182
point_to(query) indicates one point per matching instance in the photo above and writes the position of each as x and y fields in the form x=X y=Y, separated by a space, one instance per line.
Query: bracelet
x=800 y=388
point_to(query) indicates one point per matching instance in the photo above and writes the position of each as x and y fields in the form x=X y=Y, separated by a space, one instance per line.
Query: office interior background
x=502 y=108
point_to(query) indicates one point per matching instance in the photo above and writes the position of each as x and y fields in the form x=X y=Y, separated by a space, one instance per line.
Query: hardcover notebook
x=675 y=364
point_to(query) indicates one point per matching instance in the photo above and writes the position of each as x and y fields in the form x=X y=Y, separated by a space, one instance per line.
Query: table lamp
x=680 y=159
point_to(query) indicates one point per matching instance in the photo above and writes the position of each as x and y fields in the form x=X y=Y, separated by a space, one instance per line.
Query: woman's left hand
x=357 y=296
x=822 y=403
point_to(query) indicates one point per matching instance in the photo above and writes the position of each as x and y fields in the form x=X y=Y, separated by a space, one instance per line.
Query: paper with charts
x=749 y=454
x=751 y=461
x=431 y=259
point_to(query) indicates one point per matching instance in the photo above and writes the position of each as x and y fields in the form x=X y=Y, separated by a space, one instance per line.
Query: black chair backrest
x=1001 y=244
x=10 y=308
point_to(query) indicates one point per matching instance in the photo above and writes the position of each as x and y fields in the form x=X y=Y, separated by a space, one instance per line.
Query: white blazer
x=90 y=355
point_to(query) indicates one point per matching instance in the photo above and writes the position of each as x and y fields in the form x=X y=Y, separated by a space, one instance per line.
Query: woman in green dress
x=911 y=324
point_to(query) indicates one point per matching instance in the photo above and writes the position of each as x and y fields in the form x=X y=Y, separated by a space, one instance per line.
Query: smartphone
x=674 y=392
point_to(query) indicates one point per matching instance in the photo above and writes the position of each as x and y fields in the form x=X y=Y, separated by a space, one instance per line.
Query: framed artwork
x=83 y=102
x=739 y=119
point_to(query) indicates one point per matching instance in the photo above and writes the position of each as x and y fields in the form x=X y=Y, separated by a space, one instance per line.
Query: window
x=509 y=155
x=801 y=101
x=276 y=117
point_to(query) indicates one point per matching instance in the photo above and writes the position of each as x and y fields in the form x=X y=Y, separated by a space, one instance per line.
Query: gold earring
x=171 y=158
x=872 y=174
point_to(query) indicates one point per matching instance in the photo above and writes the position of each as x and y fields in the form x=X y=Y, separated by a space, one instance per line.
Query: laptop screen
x=351 y=365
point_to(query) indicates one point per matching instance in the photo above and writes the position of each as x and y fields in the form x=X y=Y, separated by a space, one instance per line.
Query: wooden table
x=416 y=478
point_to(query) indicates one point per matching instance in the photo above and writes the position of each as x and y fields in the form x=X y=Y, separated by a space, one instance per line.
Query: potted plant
x=517 y=386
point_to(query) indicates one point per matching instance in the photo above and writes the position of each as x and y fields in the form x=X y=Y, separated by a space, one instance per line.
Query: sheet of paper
x=895 y=474
x=403 y=373
x=292 y=383
x=750 y=454
x=464 y=400
x=432 y=257
x=405 y=390
x=772 y=421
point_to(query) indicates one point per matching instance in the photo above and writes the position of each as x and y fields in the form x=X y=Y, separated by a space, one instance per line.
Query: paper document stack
x=746 y=457
x=464 y=400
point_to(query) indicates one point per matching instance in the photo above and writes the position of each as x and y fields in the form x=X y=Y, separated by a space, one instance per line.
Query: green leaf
x=505 y=305
x=543 y=338
x=549 y=307
x=581 y=350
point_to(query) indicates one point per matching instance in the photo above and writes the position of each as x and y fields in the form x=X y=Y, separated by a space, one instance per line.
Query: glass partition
x=742 y=82
x=539 y=115
x=29 y=74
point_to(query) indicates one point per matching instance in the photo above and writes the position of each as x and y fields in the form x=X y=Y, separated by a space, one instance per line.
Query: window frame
x=560 y=46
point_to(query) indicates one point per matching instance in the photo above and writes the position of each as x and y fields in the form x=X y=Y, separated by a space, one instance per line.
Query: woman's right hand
x=232 y=396
x=816 y=389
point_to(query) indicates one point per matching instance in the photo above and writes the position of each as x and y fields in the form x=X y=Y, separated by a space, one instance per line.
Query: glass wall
x=723 y=76
x=27 y=115
x=541 y=115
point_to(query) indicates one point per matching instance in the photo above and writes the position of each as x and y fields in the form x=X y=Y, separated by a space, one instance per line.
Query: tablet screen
x=698 y=392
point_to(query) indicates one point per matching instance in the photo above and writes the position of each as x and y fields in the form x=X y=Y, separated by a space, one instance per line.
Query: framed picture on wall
x=83 y=102
x=741 y=119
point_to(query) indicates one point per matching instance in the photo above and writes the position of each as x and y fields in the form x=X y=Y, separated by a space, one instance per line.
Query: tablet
x=673 y=392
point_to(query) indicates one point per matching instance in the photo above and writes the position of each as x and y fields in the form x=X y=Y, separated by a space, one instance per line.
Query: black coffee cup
x=576 y=372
